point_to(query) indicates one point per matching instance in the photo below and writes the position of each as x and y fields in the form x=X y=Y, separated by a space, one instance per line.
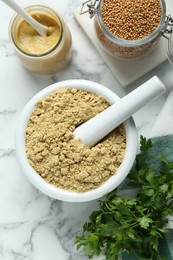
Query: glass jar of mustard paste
x=41 y=55
x=131 y=29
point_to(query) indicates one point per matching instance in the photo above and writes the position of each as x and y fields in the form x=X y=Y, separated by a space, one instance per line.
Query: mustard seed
x=140 y=17
x=129 y=20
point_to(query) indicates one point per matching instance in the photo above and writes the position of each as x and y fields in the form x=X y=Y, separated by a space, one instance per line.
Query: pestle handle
x=93 y=130
x=40 y=28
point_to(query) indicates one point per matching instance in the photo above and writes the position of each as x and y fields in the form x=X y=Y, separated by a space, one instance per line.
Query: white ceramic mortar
x=64 y=195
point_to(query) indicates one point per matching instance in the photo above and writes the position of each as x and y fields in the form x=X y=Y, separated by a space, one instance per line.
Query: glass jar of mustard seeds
x=41 y=55
x=130 y=29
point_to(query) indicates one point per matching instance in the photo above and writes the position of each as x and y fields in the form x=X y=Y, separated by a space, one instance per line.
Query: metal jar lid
x=168 y=34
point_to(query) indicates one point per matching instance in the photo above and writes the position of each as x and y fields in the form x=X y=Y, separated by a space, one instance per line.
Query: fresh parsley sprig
x=133 y=225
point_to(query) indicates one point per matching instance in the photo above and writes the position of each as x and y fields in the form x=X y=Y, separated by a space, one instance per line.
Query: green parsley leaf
x=136 y=225
x=144 y=222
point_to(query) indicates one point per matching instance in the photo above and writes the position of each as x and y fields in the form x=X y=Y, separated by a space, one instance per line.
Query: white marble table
x=32 y=225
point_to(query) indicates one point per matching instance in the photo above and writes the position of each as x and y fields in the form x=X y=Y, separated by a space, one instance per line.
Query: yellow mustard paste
x=28 y=39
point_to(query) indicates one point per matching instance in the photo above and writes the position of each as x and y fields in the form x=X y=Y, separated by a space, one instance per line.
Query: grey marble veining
x=6 y=47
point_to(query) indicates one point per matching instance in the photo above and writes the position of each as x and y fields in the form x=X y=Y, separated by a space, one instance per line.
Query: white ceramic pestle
x=93 y=130
x=40 y=28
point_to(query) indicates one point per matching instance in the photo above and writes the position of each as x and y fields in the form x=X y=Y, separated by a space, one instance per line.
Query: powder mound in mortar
x=66 y=163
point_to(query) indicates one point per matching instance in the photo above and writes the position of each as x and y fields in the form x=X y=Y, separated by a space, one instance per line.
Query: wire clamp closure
x=168 y=34
x=90 y=7
x=168 y=28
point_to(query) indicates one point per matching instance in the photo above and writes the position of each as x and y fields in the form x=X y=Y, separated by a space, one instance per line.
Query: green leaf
x=144 y=222
x=92 y=247
x=131 y=233
x=154 y=243
x=108 y=229
x=145 y=144
x=164 y=188
x=149 y=192
x=112 y=252
x=150 y=177
x=133 y=225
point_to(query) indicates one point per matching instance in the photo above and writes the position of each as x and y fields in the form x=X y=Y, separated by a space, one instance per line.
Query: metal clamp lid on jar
x=168 y=34
x=91 y=6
